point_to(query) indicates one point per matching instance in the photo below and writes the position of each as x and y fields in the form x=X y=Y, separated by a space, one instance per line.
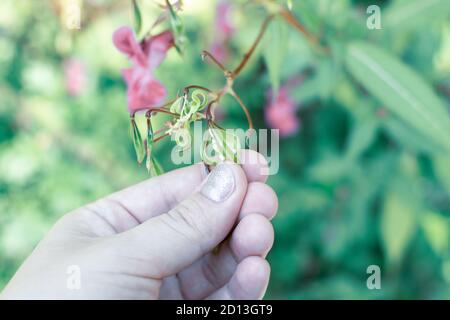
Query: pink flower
x=220 y=51
x=224 y=30
x=280 y=113
x=74 y=76
x=143 y=90
x=224 y=24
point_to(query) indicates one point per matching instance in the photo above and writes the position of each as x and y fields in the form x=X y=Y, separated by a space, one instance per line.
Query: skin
x=155 y=240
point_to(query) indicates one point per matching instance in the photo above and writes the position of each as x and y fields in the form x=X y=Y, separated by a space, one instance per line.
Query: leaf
x=137 y=17
x=361 y=137
x=307 y=91
x=177 y=28
x=398 y=222
x=275 y=48
x=149 y=149
x=436 y=232
x=409 y=138
x=329 y=170
x=155 y=169
x=409 y=14
x=441 y=164
x=137 y=142
x=401 y=90
x=326 y=78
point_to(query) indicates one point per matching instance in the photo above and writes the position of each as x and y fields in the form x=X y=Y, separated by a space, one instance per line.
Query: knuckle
x=190 y=219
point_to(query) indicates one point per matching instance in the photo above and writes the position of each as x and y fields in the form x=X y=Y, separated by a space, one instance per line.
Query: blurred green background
x=358 y=185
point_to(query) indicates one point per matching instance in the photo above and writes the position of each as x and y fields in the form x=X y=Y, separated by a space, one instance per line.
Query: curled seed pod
x=183 y=138
x=138 y=144
x=177 y=28
x=188 y=109
x=153 y=166
x=220 y=145
x=199 y=100
x=177 y=105
x=149 y=149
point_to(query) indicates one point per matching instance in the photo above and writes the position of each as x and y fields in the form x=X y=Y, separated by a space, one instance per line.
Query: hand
x=155 y=240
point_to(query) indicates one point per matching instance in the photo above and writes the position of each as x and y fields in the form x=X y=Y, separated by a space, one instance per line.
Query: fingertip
x=255 y=165
x=260 y=198
x=253 y=236
x=250 y=279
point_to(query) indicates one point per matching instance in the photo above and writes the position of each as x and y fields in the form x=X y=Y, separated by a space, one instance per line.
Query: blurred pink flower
x=220 y=51
x=281 y=114
x=224 y=23
x=74 y=76
x=224 y=30
x=144 y=91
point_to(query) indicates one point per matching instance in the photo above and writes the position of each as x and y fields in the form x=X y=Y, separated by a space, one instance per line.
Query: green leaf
x=398 y=225
x=137 y=17
x=155 y=167
x=149 y=149
x=307 y=91
x=361 y=137
x=441 y=164
x=409 y=138
x=410 y=14
x=401 y=90
x=137 y=142
x=436 y=231
x=177 y=29
x=275 y=48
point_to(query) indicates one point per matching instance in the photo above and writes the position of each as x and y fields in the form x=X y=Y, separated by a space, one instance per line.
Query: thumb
x=174 y=240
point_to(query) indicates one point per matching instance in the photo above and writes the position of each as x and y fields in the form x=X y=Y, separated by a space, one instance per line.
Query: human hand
x=154 y=240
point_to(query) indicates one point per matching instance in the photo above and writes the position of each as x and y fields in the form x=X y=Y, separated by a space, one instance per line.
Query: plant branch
x=243 y=106
x=159 y=110
x=206 y=54
x=292 y=20
x=161 y=137
x=188 y=88
x=249 y=53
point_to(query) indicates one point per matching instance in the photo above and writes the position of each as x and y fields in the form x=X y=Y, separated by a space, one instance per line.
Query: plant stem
x=161 y=137
x=197 y=87
x=292 y=20
x=241 y=103
x=249 y=53
x=206 y=54
x=159 y=110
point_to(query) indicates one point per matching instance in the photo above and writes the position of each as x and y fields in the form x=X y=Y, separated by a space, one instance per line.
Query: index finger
x=158 y=195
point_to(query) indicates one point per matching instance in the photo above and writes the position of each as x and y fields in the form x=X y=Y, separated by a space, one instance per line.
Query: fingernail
x=220 y=183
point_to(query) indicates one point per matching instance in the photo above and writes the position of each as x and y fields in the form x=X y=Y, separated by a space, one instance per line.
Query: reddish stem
x=241 y=103
x=161 y=137
x=206 y=54
x=249 y=53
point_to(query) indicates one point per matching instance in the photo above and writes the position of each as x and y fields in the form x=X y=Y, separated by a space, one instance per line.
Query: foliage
x=365 y=180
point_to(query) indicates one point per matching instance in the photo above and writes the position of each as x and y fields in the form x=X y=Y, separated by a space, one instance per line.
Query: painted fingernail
x=220 y=183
